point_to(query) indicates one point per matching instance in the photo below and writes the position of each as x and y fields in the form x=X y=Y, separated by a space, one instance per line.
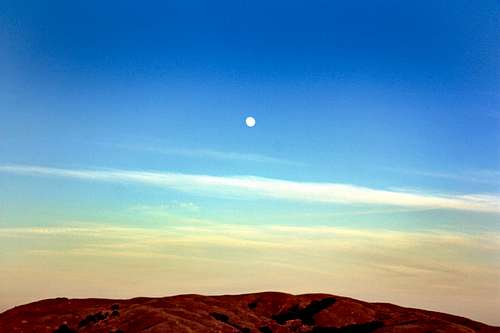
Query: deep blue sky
x=372 y=94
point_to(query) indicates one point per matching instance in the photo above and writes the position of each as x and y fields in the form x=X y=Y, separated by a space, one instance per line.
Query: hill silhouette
x=268 y=312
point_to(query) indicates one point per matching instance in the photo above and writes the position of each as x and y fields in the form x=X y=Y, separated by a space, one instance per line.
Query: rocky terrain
x=267 y=312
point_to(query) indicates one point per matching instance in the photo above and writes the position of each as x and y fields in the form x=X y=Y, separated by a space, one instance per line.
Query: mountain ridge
x=264 y=312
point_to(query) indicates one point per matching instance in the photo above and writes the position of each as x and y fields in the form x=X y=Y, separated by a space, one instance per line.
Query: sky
x=373 y=170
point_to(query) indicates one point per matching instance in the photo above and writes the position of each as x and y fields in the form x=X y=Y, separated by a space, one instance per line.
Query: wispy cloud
x=396 y=249
x=208 y=153
x=257 y=236
x=166 y=208
x=250 y=186
x=475 y=176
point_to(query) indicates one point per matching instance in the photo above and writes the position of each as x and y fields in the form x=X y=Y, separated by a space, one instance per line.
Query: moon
x=250 y=121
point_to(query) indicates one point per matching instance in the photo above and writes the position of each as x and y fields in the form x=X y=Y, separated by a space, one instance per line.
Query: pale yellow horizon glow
x=433 y=270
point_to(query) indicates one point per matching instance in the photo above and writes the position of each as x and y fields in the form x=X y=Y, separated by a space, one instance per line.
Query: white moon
x=250 y=121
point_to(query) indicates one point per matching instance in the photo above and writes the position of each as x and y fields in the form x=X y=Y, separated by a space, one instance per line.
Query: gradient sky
x=126 y=168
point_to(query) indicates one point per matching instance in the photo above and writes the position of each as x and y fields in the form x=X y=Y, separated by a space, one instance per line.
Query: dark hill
x=267 y=312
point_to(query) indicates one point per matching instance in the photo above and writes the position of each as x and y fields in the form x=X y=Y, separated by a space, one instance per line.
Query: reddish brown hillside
x=253 y=313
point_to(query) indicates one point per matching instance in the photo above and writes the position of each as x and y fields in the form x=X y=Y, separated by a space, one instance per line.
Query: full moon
x=250 y=121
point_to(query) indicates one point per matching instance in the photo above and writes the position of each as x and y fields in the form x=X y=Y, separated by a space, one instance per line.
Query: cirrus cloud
x=260 y=187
